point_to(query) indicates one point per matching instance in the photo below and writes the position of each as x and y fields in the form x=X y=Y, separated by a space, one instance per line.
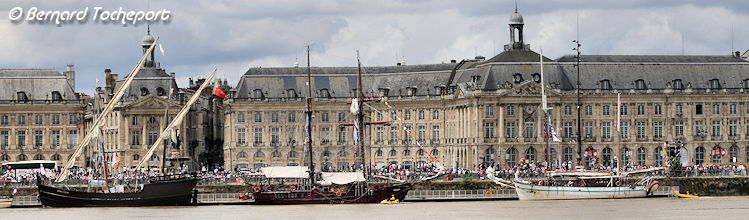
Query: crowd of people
x=219 y=175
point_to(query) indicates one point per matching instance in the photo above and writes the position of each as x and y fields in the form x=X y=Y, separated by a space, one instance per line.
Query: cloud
x=235 y=35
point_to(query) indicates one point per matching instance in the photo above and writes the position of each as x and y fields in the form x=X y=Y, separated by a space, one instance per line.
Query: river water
x=646 y=208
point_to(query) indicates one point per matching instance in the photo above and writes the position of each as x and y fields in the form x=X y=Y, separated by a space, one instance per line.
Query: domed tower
x=516 y=30
x=147 y=41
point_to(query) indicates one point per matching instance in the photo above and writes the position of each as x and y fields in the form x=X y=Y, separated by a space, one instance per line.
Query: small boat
x=391 y=200
x=686 y=196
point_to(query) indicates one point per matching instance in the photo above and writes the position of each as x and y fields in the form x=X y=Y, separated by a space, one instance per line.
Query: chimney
x=70 y=76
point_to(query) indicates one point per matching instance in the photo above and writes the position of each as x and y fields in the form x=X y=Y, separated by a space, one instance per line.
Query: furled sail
x=100 y=118
x=176 y=122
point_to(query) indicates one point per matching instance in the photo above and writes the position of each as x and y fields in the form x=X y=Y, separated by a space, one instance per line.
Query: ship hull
x=535 y=192
x=160 y=193
x=319 y=197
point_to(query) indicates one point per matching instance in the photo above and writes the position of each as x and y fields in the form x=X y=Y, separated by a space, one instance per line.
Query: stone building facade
x=137 y=121
x=488 y=111
x=41 y=114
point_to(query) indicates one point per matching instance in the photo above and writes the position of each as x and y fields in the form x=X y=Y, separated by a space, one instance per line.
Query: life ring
x=256 y=189
x=488 y=193
x=292 y=188
x=338 y=193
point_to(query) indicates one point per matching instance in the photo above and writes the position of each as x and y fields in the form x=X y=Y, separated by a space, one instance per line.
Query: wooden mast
x=166 y=140
x=360 y=119
x=308 y=122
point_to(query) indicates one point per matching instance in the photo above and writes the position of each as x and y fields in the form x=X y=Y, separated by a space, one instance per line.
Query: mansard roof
x=652 y=59
x=37 y=84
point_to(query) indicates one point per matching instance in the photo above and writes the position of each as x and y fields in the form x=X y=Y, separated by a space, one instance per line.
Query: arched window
x=136 y=157
x=5 y=157
x=292 y=154
x=56 y=96
x=640 y=84
x=56 y=157
x=421 y=152
x=160 y=91
x=435 y=152
x=326 y=153
x=529 y=130
x=379 y=152
x=324 y=93
x=393 y=153
x=517 y=78
x=144 y=91
x=733 y=154
x=343 y=154
x=259 y=154
x=291 y=94
x=714 y=84
x=275 y=154
x=489 y=154
x=530 y=154
x=605 y=84
x=407 y=152
x=658 y=155
x=606 y=156
x=257 y=94
x=22 y=157
x=699 y=156
x=154 y=157
x=641 y=156
x=38 y=157
x=242 y=155
x=21 y=96
x=511 y=157
x=626 y=155
x=677 y=84
x=588 y=154
x=747 y=153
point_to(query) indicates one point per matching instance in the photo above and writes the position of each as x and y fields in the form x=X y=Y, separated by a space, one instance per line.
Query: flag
x=161 y=49
x=41 y=169
x=97 y=81
x=115 y=162
x=356 y=133
x=553 y=132
x=15 y=191
x=217 y=90
x=171 y=91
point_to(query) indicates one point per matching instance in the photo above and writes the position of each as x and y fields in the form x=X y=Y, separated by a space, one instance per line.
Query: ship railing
x=460 y=194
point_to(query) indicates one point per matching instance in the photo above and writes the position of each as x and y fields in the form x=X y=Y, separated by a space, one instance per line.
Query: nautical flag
x=97 y=81
x=171 y=91
x=553 y=132
x=306 y=129
x=161 y=49
x=217 y=90
x=15 y=191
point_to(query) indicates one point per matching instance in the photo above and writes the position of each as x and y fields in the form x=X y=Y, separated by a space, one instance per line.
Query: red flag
x=217 y=90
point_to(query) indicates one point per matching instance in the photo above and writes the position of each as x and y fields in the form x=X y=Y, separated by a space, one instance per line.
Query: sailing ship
x=164 y=190
x=329 y=187
x=578 y=184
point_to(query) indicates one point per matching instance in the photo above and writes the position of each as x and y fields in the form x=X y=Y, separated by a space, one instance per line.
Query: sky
x=233 y=36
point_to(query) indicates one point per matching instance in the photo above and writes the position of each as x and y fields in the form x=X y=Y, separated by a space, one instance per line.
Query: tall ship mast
x=329 y=187
x=164 y=190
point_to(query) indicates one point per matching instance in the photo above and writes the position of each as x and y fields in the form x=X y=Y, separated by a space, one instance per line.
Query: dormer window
x=714 y=84
x=160 y=91
x=439 y=90
x=475 y=79
x=746 y=83
x=537 y=78
x=677 y=85
x=517 y=77
x=21 y=96
x=640 y=84
x=144 y=91
x=605 y=84
x=410 y=91
x=383 y=91
x=290 y=93
x=56 y=96
x=324 y=93
x=258 y=94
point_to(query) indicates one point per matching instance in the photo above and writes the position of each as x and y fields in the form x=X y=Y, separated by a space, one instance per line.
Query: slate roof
x=621 y=70
x=38 y=84
x=149 y=78
x=341 y=81
x=651 y=59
